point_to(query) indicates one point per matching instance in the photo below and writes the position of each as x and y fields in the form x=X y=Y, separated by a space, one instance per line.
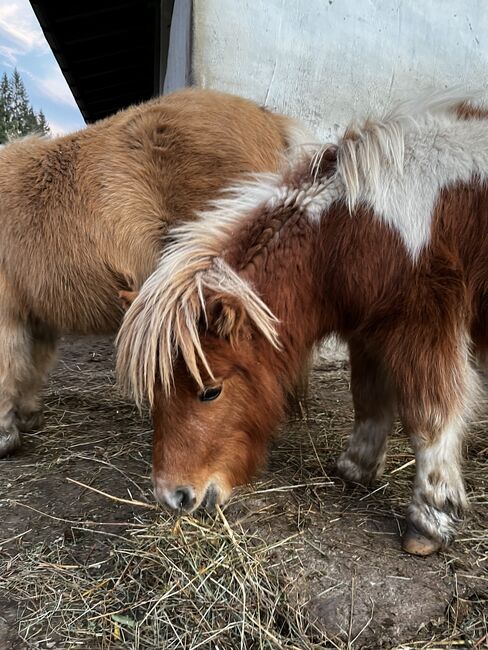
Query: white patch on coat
x=439 y=498
x=399 y=165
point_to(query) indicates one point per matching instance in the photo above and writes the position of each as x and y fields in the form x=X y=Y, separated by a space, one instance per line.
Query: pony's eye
x=210 y=393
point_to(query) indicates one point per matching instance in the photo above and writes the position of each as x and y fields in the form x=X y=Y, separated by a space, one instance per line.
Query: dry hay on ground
x=297 y=561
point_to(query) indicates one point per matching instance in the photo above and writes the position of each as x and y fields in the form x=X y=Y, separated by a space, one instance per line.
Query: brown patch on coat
x=320 y=277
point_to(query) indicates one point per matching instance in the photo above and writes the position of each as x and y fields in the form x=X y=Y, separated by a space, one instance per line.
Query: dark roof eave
x=130 y=35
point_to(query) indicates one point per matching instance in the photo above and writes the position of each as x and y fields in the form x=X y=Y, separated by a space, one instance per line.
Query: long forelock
x=164 y=318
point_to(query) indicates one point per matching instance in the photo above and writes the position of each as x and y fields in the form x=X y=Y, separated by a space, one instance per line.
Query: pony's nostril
x=182 y=498
x=210 y=498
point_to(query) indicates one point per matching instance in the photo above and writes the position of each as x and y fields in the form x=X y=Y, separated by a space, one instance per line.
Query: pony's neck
x=282 y=259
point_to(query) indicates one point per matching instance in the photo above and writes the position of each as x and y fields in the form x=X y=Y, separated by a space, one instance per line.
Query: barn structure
x=320 y=60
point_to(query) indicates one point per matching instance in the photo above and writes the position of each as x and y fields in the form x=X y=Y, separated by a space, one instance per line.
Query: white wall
x=328 y=60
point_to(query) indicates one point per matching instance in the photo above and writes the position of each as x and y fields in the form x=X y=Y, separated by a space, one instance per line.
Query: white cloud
x=55 y=87
x=19 y=24
x=61 y=128
x=9 y=55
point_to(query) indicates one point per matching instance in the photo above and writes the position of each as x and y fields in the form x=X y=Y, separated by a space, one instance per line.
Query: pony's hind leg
x=14 y=365
x=434 y=410
x=374 y=414
x=29 y=406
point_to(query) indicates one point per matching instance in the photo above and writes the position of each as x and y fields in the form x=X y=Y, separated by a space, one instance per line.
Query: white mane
x=384 y=163
x=164 y=317
x=398 y=164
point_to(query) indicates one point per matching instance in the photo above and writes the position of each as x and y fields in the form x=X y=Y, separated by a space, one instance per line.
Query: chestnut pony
x=82 y=217
x=382 y=239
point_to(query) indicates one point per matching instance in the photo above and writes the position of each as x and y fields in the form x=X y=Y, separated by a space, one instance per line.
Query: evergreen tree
x=17 y=117
x=42 y=125
x=5 y=107
x=20 y=106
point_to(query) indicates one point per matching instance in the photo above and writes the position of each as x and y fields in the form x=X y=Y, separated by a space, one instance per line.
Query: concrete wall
x=328 y=60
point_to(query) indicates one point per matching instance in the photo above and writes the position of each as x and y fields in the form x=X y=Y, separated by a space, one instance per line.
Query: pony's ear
x=226 y=317
x=127 y=298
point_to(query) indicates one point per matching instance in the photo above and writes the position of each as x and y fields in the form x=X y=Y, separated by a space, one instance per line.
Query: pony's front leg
x=439 y=499
x=29 y=406
x=434 y=416
x=374 y=413
x=14 y=366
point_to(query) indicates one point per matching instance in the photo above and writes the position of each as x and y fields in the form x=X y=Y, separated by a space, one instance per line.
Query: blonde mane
x=164 y=319
x=366 y=148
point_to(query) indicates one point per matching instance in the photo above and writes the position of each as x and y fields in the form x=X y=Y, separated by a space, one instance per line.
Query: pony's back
x=88 y=210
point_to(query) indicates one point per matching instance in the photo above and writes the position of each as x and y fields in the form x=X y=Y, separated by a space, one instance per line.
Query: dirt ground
x=298 y=560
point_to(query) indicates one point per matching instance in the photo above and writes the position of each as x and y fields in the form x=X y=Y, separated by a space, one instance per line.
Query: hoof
x=9 y=441
x=351 y=472
x=415 y=543
x=28 y=422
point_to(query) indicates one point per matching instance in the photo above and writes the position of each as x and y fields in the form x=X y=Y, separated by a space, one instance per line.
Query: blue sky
x=22 y=45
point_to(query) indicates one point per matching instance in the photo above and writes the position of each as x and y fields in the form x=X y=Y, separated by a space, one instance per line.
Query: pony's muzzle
x=183 y=497
x=180 y=498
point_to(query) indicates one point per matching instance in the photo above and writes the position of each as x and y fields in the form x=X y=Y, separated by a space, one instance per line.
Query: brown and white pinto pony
x=82 y=218
x=382 y=239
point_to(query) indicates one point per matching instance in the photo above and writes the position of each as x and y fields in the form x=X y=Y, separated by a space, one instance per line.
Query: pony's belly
x=78 y=311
